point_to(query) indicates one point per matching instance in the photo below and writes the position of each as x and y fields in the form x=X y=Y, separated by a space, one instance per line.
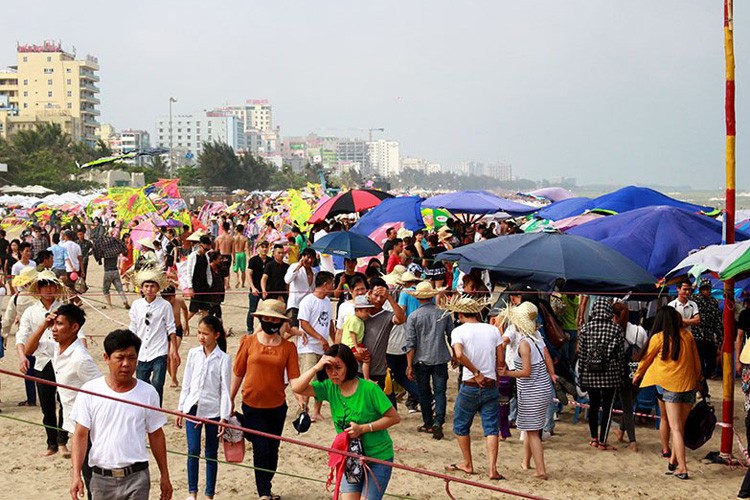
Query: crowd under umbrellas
x=311 y=259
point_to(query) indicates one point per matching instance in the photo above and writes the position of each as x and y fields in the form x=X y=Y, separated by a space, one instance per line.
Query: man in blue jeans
x=428 y=332
x=152 y=320
x=477 y=346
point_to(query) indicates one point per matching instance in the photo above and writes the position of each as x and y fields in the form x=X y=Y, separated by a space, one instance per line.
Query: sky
x=606 y=91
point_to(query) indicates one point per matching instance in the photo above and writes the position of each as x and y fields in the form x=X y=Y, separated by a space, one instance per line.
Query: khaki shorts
x=307 y=361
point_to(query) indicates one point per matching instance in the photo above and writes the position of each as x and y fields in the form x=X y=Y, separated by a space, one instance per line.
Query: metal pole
x=171 y=151
x=727 y=351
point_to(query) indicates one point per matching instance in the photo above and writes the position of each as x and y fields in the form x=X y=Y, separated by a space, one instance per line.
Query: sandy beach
x=575 y=469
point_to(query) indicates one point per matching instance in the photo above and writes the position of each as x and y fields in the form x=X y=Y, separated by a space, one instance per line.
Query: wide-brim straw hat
x=424 y=290
x=147 y=242
x=46 y=277
x=394 y=277
x=404 y=233
x=444 y=233
x=465 y=304
x=409 y=277
x=27 y=275
x=196 y=236
x=523 y=317
x=151 y=274
x=271 y=308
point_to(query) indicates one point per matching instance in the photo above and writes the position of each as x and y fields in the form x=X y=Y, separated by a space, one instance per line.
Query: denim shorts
x=473 y=400
x=678 y=397
x=377 y=482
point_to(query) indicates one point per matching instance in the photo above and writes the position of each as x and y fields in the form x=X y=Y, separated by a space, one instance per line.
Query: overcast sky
x=602 y=90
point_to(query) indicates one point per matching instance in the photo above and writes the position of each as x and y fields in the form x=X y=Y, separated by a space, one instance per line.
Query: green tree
x=189 y=175
x=256 y=173
x=219 y=165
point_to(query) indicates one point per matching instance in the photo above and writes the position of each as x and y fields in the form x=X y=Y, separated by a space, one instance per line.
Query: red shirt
x=393 y=260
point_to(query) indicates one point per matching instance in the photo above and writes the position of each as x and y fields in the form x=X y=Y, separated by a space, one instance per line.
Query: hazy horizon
x=606 y=92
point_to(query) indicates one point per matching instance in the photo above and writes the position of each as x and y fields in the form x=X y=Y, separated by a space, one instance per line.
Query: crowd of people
x=354 y=340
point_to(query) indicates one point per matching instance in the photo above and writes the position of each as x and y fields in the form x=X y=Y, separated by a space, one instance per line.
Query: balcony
x=89 y=75
x=90 y=99
x=88 y=86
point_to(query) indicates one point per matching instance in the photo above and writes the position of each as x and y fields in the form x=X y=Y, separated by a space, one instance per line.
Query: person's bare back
x=239 y=243
x=225 y=243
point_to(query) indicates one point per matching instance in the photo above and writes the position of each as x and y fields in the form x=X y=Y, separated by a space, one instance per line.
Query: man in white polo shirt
x=72 y=362
x=118 y=430
x=686 y=307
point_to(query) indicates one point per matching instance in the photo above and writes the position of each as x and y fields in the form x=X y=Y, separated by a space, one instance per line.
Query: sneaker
x=412 y=408
x=546 y=435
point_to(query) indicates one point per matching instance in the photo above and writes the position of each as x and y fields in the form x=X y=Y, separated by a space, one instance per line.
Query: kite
x=124 y=156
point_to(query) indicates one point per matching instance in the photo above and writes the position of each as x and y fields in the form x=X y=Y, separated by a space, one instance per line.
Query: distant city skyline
x=607 y=92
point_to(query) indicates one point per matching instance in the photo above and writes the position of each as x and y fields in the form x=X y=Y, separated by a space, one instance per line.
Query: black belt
x=123 y=472
x=487 y=383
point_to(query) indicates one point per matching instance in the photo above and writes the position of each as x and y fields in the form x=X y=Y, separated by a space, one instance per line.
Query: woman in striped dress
x=533 y=385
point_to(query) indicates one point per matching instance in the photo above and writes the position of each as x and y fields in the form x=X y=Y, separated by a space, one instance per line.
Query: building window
x=49 y=94
x=70 y=82
x=49 y=59
x=48 y=71
x=70 y=94
x=25 y=82
x=25 y=59
x=25 y=94
x=70 y=105
x=49 y=82
x=179 y=130
x=26 y=105
x=67 y=70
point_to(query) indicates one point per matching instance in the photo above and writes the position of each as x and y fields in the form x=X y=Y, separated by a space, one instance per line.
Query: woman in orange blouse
x=671 y=363
x=259 y=367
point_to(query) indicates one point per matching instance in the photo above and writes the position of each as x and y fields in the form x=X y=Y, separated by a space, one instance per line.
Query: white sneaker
x=546 y=435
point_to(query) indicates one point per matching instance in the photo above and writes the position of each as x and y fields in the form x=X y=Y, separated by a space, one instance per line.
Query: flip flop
x=456 y=468
x=425 y=429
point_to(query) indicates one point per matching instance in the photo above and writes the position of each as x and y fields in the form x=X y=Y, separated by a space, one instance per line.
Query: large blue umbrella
x=405 y=209
x=476 y=202
x=620 y=201
x=540 y=259
x=561 y=209
x=656 y=238
x=347 y=244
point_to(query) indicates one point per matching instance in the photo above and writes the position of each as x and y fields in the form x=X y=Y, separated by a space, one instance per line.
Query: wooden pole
x=727 y=351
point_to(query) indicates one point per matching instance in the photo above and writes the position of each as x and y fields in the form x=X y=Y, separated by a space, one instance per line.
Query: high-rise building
x=50 y=85
x=499 y=170
x=191 y=131
x=420 y=165
x=354 y=152
x=384 y=158
x=256 y=116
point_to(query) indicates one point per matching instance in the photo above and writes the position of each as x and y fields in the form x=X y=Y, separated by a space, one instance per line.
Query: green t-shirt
x=301 y=242
x=569 y=317
x=353 y=324
x=367 y=404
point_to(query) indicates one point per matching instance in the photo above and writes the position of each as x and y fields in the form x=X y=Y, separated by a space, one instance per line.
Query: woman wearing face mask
x=259 y=367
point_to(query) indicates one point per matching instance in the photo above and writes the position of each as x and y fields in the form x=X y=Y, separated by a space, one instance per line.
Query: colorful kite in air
x=124 y=156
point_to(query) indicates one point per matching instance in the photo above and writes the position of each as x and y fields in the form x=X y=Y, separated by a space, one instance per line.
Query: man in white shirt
x=24 y=249
x=72 y=362
x=118 y=431
x=300 y=278
x=317 y=328
x=74 y=261
x=34 y=338
x=686 y=307
x=152 y=320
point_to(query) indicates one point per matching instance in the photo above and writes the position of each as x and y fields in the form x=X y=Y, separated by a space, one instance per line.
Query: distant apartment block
x=420 y=165
x=499 y=170
x=384 y=158
x=49 y=85
x=256 y=116
x=191 y=131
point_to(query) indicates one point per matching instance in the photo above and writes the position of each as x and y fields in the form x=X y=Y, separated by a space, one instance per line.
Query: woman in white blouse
x=205 y=393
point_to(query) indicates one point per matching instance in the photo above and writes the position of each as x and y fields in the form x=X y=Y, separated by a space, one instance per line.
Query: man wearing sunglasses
x=152 y=320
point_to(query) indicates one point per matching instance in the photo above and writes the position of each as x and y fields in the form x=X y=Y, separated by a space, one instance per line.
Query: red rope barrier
x=298 y=442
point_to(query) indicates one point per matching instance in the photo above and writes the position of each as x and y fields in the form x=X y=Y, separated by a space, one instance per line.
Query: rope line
x=298 y=442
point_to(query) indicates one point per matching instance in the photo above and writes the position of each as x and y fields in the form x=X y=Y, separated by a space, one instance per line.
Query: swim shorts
x=240 y=262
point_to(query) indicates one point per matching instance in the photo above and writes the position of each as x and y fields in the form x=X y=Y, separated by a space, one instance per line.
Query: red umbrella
x=349 y=202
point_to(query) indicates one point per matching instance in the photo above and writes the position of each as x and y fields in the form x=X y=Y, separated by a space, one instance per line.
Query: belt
x=487 y=383
x=123 y=472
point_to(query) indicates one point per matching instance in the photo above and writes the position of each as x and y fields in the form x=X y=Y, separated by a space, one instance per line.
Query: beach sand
x=575 y=469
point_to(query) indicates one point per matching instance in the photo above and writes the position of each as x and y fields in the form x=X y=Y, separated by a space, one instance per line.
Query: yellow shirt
x=681 y=375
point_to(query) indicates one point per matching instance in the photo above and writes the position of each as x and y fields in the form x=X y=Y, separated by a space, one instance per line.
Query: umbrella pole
x=727 y=351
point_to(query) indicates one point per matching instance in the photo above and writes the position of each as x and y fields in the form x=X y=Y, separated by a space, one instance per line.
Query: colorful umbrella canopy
x=656 y=238
x=476 y=202
x=349 y=202
x=404 y=209
x=713 y=258
x=346 y=244
x=540 y=259
x=551 y=193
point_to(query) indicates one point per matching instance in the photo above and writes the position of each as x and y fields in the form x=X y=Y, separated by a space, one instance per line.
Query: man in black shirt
x=3 y=248
x=255 y=266
x=391 y=234
x=272 y=284
x=345 y=278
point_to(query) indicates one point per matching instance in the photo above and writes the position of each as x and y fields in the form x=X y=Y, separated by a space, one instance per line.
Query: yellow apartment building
x=50 y=85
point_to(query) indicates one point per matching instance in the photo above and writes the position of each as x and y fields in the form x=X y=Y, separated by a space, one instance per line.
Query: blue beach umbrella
x=476 y=202
x=347 y=244
x=656 y=238
x=540 y=259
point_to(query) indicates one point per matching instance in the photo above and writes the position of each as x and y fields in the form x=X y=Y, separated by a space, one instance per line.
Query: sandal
x=456 y=468
x=606 y=447
x=425 y=429
x=594 y=443
x=666 y=453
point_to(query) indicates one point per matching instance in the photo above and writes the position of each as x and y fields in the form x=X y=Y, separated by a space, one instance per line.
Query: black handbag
x=700 y=425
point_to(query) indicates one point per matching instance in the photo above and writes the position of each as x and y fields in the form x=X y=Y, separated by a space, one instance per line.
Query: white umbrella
x=713 y=258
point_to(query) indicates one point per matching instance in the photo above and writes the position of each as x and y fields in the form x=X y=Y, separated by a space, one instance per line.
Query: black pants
x=627 y=396
x=265 y=451
x=707 y=354
x=86 y=469
x=52 y=418
x=745 y=488
x=604 y=399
